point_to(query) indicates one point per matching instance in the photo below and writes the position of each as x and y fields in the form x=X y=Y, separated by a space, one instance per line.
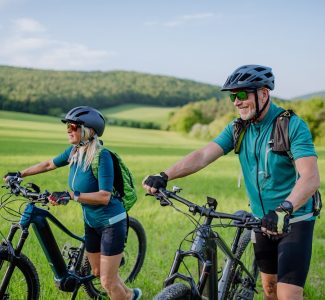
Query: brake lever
x=163 y=202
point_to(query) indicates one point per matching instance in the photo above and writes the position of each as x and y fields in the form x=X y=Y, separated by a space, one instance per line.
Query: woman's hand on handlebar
x=57 y=198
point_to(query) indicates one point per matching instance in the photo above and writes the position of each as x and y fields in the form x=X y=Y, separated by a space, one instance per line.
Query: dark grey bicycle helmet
x=87 y=116
x=250 y=77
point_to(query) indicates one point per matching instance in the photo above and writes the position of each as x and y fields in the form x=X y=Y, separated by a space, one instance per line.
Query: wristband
x=287 y=207
x=164 y=175
x=76 y=195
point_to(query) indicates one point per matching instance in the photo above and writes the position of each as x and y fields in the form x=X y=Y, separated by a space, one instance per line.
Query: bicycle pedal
x=245 y=294
x=65 y=250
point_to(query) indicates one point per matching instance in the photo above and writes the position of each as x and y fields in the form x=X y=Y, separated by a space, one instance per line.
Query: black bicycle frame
x=65 y=279
x=208 y=281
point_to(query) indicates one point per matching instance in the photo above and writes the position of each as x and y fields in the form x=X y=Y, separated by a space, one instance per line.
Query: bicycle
x=71 y=268
x=237 y=279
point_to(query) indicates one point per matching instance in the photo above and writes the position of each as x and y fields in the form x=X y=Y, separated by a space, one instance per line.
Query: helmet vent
x=82 y=113
x=73 y=110
x=268 y=75
x=244 y=77
x=235 y=77
x=102 y=118
x=259 y=69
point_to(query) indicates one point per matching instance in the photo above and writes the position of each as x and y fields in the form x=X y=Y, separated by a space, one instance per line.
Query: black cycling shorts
x=289 y=256
x=108 y=240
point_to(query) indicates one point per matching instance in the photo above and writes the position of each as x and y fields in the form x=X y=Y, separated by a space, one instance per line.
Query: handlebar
x=243 y=219
x=31 y=191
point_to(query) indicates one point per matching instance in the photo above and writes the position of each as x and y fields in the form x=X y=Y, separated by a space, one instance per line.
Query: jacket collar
x=271 y=114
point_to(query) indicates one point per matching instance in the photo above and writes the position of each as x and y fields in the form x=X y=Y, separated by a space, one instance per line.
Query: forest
x=201 y=110
x=54 y=92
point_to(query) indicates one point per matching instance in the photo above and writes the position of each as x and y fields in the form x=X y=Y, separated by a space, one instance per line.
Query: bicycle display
x=238 y=275
x=70 y=266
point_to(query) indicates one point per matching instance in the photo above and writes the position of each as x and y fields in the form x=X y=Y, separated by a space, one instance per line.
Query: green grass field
x=27 y=139
x=158 y=115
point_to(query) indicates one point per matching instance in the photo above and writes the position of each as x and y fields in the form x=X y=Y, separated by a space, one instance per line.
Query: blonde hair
x=86 y=150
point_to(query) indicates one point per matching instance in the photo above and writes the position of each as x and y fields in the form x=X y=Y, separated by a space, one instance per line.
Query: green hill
x=141 y=113
x=54 y=92
x=320 y=94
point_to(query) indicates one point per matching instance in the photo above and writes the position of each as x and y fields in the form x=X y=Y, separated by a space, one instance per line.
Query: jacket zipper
x=74 y=177
x=257 y=164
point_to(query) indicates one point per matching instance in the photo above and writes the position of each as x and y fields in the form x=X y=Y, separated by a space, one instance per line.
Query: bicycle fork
x=12 y=253
x=202 y=246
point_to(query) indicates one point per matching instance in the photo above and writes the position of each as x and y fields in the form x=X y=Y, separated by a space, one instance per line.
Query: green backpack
x=123 y=186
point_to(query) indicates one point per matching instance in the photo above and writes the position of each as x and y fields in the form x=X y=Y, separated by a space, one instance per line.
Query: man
x=275 y=193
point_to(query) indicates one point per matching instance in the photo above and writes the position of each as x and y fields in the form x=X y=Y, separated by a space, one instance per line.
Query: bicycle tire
x=238 y=284
x=133 y=258
x=24 y=274
x=176 y=291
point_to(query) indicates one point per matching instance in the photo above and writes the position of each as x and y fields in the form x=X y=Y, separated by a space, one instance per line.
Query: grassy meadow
x=29 y=139
x=136 y=112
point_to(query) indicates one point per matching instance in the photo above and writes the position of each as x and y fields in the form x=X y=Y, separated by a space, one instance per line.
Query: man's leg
x=287 y=291
x=269 y=283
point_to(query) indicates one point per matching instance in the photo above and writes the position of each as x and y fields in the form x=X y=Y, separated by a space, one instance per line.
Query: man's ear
x=264 y=95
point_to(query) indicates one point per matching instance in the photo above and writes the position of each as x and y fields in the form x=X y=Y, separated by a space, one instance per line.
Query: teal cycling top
x=85 y=182
x=269 y=177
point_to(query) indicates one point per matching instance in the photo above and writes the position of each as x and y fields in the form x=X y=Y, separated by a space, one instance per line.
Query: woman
x=104 y=215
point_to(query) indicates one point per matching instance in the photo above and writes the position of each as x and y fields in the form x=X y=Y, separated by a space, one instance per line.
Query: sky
x=202 y=40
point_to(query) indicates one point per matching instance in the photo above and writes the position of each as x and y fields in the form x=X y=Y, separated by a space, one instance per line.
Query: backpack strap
x=239 y=130
x=118 y=188
x=118 y=179
x=279 y=140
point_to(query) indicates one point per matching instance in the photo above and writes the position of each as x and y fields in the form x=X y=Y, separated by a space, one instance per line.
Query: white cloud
x=173 y=23
x=75 y=56
x=182 y=20
x=20 y=44
x=29 y=45
x=197 y=16
x=28 y=25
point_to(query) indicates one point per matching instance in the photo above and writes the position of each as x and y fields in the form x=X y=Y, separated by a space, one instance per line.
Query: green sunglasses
x=241 y=95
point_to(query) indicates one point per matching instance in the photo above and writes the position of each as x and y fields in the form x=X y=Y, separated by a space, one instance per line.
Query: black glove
x=157 y=181
x=60 y=197
x=12 y=175
x=277 y=221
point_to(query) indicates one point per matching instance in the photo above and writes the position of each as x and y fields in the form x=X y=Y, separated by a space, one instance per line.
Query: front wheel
x=176 y=291
x=23 y=283
x=132 y=261
x=239 y=285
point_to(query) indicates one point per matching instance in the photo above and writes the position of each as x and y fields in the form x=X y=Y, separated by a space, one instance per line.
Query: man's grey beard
x=250 y=116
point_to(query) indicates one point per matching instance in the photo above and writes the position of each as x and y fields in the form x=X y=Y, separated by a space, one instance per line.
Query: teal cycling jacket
x=85 y=182
x=269 y=177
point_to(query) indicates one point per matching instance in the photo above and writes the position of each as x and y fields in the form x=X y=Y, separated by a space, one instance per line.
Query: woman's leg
x=110 y=279
x=94 y=260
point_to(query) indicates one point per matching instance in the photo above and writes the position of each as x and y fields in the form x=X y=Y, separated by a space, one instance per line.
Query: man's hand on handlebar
x=153 y=183
x=57 y=198
x=276 y=222
x=11 y=175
